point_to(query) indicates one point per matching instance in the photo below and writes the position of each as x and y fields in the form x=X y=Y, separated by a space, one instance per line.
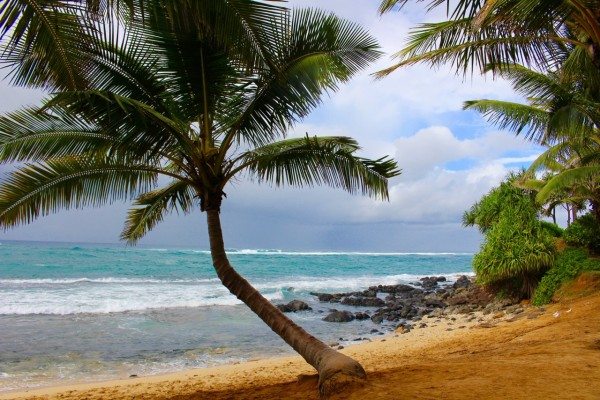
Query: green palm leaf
x=581 y=176
x=41 y=189
x=477 y=33
x=513 y=116
x=150 y=208
x=33 y=135
x=41 y=41
x=317 y=53
x=320 y=160
x=457 y=43
x=131 y=121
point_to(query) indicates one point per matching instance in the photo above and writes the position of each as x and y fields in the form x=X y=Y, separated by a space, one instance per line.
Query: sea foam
x=112 y=294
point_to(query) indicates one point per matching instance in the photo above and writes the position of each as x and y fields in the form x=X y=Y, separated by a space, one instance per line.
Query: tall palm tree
x=172 y=95
x=496 y=32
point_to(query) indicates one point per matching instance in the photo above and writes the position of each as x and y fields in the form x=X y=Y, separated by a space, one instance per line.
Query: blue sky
x=449 y=157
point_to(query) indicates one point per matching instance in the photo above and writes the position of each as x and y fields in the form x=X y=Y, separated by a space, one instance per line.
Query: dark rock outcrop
x=431 y=282
x=339 y=316
x=363 y=301
x=294 y=306
x=360 y=316
x=434 y=298
x=463 y=281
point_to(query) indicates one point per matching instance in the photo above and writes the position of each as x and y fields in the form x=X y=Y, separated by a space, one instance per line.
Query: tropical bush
x=568 y=265
x=517 y=250
x=584 y=232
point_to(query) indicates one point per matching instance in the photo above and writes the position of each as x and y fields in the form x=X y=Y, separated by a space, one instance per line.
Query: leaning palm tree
x=168 y=101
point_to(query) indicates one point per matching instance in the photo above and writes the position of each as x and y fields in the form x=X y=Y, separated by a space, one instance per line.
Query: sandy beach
x=546 y=353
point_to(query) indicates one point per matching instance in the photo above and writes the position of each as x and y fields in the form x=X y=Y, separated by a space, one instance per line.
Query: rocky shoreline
x=403 y=307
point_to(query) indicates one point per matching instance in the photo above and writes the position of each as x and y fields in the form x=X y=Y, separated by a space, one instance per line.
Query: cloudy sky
x=449 y=158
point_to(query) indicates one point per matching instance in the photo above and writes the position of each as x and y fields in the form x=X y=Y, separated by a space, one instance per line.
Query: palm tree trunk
x=335 y=369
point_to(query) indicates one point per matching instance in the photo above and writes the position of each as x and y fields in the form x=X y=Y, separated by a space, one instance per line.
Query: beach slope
x=554 y=353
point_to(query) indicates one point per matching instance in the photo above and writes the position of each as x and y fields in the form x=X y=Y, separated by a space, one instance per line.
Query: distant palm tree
x=175 y=95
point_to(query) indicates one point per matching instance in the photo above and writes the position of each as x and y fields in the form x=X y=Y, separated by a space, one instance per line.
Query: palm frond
x=581 y=176
x=513 y=116
x=389 y=5
x=318 y=52
x=33 y=135
x=320 y=161
x=530 y=184
x=554 y=158
x=150 y=208
x=458 y=43
x=122 y=61
x=41 y=43
x=41 y=189
x=537 y=33
x=132 y=121
x=242 y=27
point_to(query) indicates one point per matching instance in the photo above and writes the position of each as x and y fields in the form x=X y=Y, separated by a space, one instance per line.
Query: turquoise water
x=81 y=312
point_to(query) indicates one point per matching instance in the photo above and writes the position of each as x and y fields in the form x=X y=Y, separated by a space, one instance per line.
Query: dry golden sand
x=549 y=355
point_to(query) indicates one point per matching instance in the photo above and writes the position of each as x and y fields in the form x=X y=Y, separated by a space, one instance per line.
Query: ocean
x=80 y=312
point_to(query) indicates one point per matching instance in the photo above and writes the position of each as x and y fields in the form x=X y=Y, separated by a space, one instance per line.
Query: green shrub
x=514 y=249
x=568 y=265
x=553 y=229
x=585 y=232
x=517 y=250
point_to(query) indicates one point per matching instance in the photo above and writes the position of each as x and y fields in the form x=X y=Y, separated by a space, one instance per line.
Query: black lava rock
x=339 y=316
x=293 y=306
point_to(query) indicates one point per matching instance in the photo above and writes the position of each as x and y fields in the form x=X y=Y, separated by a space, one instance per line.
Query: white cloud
x=436 y=146
x=428 y=192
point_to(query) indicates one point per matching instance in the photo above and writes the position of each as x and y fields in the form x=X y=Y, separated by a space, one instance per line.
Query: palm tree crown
x=172 y=100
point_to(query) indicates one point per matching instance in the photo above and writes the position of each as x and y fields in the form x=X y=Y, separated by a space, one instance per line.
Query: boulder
x=325 y=297
x=298 y=305
x=430 y=282
x=363 y=301
x=463 y=281
x=339 y=316
x=369 y=293
x=403 y=328
x=361 y=316
x=293 y=306
x=393 y=288
x=435 y=303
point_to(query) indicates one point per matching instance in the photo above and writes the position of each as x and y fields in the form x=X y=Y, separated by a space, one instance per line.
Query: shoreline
x=295 y=366
x=531 y=338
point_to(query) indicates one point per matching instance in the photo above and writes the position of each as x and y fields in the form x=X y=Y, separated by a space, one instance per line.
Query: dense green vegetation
x=584 y=232
x=517 y=248
x=569 y=264
x=519 y=255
